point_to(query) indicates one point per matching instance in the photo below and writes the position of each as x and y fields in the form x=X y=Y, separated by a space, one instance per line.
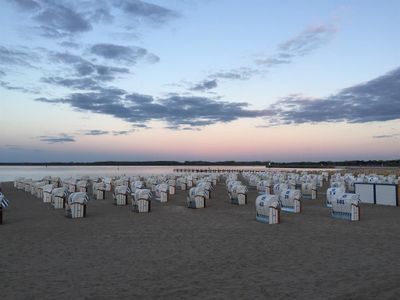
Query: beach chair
x=141 y=202
x=47 y=190
x=3 y=204
x=309 y=190
x=161 y=191
x=278 y=187
x=82 y=186
x=289 y=200
x=196 y=198
x=99 y=190
x=332 y=193
x=120 y=195
x=76 y=205
x=59 y=197
x=172 y=186
x=237 y=193
x=267 y=209
x=346 y=206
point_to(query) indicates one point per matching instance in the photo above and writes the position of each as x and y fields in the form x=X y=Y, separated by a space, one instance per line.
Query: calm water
x=9 y=173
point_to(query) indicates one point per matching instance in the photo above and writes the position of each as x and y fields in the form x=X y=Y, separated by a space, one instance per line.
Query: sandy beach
x=219 y=252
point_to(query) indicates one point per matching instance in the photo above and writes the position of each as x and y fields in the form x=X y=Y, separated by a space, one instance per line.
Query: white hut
x=278 y=187
x=332 y=193
x=182 y=183
x=141 y=202
x=347 y=207
x=267 y=209
x=76 y=205
x=238 y=193
x=27 y=185
x=309 y=190
x=39 y=189
x=290 y=200
x=82 y=186
x=162 y=192
x=59 y=197
x=172 y=186
x=108 y=183
x=189 y=181
x=71 y=182
x=18 y=182
x=121 y=194
x=207 y=186
x=264 y=186
x=56 y=181
x=196 y=198
x=99 y=190
x=47 y=190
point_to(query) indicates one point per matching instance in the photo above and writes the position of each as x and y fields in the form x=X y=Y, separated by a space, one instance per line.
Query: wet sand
x=219 y=252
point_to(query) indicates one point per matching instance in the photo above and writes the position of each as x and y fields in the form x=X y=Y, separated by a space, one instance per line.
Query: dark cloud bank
x=375 y=100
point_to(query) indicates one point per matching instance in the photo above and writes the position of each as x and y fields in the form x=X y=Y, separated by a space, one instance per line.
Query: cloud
x=86 y=75
x=374 y=100
x=304 y=43
x=69 y=44
x=20 y=57
x=58 y=20
x=187 y=111
x=123 y=132
x=10 y=87
x=96 y=132
x=235 y=74
x=386 y=136
x=122 y=53
x=60 y=139
x=146 y=11
x=26 y=4
x=74 y=83
x=14 y=147
x=205 y=85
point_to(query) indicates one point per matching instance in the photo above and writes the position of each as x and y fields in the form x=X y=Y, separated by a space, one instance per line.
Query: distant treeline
x=320 y=164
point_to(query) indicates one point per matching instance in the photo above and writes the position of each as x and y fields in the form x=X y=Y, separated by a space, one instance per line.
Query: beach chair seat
x=76 y=205
x=289 y=200
x=141 y=202
x=196 y=198
x=121 y=194
x=59 y=197
x=267 y=209
x=346 y=206
x=332 y=193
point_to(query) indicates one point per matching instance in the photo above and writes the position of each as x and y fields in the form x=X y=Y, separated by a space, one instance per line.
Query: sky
x=96 y=80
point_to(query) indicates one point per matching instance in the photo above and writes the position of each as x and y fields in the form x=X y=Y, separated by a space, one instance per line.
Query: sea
x=9 y=173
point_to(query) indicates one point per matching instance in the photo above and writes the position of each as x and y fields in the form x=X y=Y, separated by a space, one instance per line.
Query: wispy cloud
x=386 y=136
x=28 y=5
x=303 y=44
x=123 y=53
x=244 y=73
x=374 y=100
x=59 y=139
x=287 y=52
x=20 y=56
x=205 y=85
x=147 y=11
x=8 y=86
x=96 y=132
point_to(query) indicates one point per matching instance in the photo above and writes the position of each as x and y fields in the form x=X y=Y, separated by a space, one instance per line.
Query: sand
x=219 y=252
